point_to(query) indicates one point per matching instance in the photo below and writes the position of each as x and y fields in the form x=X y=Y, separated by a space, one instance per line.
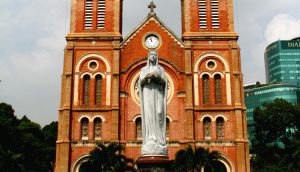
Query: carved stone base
x=153 y=163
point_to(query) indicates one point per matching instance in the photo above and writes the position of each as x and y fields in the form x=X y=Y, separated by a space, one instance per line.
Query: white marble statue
x=153 y=101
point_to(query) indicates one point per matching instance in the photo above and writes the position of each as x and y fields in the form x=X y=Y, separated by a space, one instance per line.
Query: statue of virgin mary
x=153 y=101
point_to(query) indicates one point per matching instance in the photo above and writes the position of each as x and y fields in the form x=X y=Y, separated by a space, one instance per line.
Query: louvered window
x=101 y=14
x=88 y=23
x=215 y=19
x=202 y=14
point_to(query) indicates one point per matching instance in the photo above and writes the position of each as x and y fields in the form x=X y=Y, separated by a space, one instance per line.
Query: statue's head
x=153 y=56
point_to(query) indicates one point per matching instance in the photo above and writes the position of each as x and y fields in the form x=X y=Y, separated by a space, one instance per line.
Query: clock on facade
x=152 y=41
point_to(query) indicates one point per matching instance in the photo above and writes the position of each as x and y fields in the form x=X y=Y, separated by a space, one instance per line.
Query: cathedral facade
x=99 y=94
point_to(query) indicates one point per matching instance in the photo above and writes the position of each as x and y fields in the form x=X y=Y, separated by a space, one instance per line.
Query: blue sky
x=32 y=39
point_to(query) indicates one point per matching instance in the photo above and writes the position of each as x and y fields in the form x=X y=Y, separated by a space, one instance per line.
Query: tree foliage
x=187 y=159
x=27 y=146
x=105 y=158
x=277 y=146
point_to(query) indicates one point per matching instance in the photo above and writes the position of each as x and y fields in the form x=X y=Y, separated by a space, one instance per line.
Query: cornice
x=210 y=35
x=94 y=36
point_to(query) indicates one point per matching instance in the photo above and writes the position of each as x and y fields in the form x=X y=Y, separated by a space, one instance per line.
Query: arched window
x=97 y=128
x=215 y=165
x=86 y=89
x=205 y=83
x=98 y=89
x=207 y=128
x=167 y=129
x=84 y=129
x=218 y=89
x=138 y=124
x=84 y=166
x=220 y=128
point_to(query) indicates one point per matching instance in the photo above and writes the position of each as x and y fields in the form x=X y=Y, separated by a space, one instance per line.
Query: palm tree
x=205 y=158
x=107 y=159
x=187 y=160
x=184 y=160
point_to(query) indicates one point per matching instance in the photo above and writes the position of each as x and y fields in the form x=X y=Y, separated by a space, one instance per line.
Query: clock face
x=152 y=41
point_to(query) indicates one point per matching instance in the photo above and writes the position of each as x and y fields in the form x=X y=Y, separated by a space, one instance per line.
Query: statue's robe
x=153 y=101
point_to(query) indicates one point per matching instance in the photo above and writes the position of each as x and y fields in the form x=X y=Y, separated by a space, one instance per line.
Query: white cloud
x=282 y=27
x=32 y=41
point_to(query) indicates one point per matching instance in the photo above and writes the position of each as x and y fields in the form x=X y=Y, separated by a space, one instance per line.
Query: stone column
x=63 y=140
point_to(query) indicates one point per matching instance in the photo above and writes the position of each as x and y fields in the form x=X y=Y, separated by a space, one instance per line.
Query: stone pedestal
x=153 y=163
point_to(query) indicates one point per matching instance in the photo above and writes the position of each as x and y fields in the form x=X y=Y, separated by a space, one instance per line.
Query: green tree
x=32 y=145
x=205 y=158
x=50 y=136
x=107 y=158
x=8 y=125
x=276 y=144
x=10 y=157
x=184 y=160
x=10 y=161
x=188 y=160
x=26 y=146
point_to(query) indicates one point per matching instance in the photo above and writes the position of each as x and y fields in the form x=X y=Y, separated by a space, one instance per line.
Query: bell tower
x=90 y=80
x=213 y=72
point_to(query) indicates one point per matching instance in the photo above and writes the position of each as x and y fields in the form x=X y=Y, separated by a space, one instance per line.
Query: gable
x=160 y=24
x=171 y=48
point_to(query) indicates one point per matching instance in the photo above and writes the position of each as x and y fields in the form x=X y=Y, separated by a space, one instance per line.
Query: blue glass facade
x=256 y=95
x=282 y=62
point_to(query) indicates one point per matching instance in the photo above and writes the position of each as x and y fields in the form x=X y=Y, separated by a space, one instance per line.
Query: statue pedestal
x=153 y=163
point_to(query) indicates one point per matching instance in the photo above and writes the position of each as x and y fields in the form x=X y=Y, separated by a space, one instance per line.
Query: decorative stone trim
x=215 y=143
x=124 y=71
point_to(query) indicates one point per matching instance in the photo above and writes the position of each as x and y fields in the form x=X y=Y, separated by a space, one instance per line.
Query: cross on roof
x=151 y=6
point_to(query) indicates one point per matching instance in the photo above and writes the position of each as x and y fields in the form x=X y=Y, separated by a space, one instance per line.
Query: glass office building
x=257 y=94
x=282 y=61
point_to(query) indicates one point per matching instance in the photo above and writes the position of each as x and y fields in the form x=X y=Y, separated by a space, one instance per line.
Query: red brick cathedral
x=99 y=95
